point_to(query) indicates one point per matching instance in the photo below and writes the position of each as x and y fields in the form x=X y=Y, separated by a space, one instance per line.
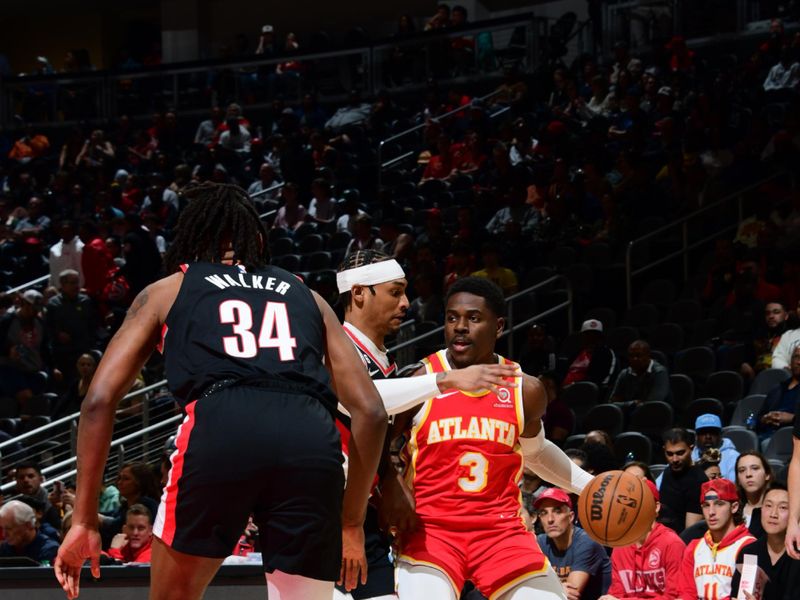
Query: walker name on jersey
x=713 y=569
x=479 y=428
x=249 y=281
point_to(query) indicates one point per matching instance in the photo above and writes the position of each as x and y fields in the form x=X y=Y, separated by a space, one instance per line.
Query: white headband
x=373 y=274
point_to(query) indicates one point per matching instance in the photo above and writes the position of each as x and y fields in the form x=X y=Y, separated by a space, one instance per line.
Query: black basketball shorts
x=268 y=452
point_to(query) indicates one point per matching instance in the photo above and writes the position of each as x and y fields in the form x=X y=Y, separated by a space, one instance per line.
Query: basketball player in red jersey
x=372 y=289
x=246 y=348
x=466 y=457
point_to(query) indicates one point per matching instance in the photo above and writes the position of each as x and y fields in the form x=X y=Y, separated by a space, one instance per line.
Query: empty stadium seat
x=749 y=405
x=606 y=417
x=780 y=444
x=702 y=406
x=726 y=386
x=768 y=379
x=633 y=445
x=697 y=362
x=743 y=438
x=682 y=388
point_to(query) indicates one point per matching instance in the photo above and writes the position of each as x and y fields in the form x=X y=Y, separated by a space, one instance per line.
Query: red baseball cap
x=555 y=494
x=653 y=490
x=719 y=489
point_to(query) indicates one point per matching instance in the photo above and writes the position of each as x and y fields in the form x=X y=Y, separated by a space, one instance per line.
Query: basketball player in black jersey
x=372 y=289
x=244 y=346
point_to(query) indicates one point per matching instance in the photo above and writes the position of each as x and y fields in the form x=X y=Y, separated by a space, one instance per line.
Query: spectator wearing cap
x=651 y=566
x=643 y=380
x=595 y=361
x=708 y=429
x=22 y=538
x=65 y=253
x=266 y=42
x=710 y=562
x=580 y=563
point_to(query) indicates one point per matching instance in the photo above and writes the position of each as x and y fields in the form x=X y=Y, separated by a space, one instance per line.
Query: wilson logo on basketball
x=596 y=511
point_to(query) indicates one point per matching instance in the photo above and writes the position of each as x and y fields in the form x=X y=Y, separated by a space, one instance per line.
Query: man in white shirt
x=782 y=354
x=66 y=254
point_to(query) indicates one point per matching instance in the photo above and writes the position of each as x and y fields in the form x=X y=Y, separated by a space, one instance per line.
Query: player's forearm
x=550 y=463
x=368 y=431
x=94 y=437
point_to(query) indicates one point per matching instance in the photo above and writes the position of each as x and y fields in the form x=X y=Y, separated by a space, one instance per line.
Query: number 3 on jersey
x=275 y=330
x=478 y=469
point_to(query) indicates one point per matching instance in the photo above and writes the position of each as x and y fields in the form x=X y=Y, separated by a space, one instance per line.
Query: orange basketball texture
x=616 y=508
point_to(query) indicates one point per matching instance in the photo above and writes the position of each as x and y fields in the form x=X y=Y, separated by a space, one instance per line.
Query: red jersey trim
x=170 y=500
x=184 y=267
x=362 y=347
x=160 y=345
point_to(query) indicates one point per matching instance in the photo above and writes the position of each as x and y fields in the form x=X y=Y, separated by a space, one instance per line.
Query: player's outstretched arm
x=358 y=395
x=793 y=531
x=541 y=455
x=400 y=394
x=126 y=354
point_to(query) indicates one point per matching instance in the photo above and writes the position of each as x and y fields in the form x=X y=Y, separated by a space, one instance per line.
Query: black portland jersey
x=229 y=324
x=379 y=364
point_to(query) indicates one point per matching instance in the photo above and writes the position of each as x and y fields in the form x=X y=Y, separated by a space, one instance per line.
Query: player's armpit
x=534 y=403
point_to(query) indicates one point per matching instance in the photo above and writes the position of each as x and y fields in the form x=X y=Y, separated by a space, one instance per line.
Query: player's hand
x=396 y=511
x=81 y=543
x=608 y=597
x=793 y=540
x=354 y=558
x=747 y=596
x=479 y=377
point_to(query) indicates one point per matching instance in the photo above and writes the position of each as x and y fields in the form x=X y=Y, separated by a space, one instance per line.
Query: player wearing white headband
x=372 y=290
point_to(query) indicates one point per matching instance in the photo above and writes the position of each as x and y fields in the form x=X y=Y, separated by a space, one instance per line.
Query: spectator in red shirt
x=650 y=567
x=138 y=535
x=440 y=165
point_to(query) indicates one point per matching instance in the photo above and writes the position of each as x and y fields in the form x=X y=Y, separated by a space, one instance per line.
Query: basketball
x=616 y=508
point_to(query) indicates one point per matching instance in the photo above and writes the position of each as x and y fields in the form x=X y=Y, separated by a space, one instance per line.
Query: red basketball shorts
x=494 y=558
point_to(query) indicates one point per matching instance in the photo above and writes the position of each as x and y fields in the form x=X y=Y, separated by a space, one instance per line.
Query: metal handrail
x=75 y=415
x=29 y=284
x=114 y=444
x=683 y=223
x=105 y=80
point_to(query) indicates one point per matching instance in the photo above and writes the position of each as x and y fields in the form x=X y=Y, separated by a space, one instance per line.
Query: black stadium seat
x=633 y=445
x=606 y=417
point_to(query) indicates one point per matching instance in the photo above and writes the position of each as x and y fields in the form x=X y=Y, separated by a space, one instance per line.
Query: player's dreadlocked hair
x=215 y=214
x=359 y=258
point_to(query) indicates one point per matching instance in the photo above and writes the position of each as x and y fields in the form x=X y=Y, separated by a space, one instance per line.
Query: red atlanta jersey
x=465 y=458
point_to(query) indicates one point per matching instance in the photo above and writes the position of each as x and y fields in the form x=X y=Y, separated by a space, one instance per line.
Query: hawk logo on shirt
x=654 y=559
x=503 y=395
